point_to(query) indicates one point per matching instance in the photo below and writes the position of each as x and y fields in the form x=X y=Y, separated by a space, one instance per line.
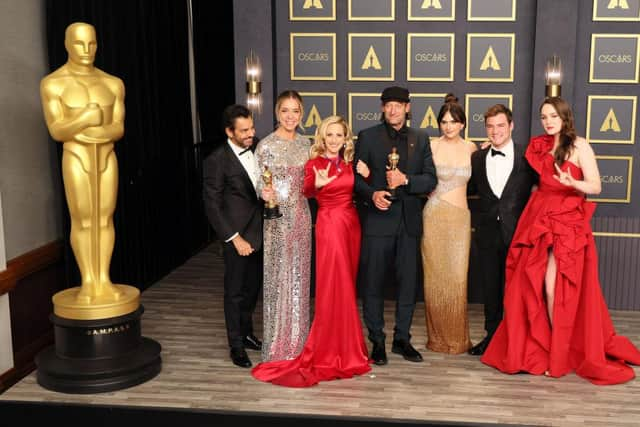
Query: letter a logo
x=371 y=60
x=316 y=4
x=615 y=4
x=429 y=120
x=490 y=61
x=426 y=4
x=313 y=119
x=610 y=122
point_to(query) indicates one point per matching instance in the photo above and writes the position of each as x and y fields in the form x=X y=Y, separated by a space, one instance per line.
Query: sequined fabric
x=445 y=257
x=287 y=249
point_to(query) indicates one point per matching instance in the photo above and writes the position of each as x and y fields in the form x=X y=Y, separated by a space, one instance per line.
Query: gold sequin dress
x=445 y=245
x=287 y=249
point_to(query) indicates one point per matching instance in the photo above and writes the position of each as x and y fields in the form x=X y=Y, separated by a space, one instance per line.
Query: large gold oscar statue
x=84 y=109
x=98 y=342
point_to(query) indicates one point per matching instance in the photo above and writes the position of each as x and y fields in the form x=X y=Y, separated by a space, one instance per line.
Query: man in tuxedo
x=235 y=213
x=502 y=180
x=392 y=229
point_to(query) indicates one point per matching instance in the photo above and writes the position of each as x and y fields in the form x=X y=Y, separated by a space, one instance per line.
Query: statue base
x=67 y=304
x=393 y=196
x=271 y=213
x=94 y=356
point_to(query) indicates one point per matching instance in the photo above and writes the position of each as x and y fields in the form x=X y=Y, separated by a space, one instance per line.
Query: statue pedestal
x=99 y=355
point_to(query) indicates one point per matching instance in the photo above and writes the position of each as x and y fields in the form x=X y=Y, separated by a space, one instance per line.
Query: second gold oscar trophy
x=98 y=342
x=393 y=159
x=271 y=209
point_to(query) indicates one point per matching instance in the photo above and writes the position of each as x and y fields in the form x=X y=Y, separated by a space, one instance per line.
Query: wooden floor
x=184 y=313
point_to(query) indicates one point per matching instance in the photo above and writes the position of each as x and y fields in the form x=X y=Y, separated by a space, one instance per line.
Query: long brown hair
x=451 y=106
x=318 y=148
x=568 y=131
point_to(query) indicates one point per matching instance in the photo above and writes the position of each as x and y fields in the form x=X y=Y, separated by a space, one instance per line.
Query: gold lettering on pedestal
x=371 y=60
x=316 y=4
x=490 y=61
x=314 y=118
x=429 y=120
x=610 y=122
x=110 y=330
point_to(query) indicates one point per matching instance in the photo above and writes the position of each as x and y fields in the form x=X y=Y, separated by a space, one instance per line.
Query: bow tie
x=244 y=151
x=497 y=153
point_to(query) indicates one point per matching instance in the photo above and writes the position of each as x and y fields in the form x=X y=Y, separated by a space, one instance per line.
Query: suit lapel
x=235 y=165
x=483 y=173
x=412 y=141
x=517 y=164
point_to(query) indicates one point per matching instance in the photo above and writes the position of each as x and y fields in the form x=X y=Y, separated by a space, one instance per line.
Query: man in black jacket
x=502 y=180
x=235 y=213
x=392 y=229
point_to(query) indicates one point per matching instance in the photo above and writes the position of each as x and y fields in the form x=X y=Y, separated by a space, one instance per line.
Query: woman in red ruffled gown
x=335 y=347
x=556 y=320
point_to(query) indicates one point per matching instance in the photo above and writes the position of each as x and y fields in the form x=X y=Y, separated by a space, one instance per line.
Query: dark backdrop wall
x=320 y=51
x=159 y=219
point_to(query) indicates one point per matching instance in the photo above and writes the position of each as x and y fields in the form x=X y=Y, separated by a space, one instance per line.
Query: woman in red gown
x=335 y=347
x=556 y=320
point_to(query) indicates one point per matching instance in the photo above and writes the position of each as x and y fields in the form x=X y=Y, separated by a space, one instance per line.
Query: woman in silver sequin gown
x=447 y=236
x=287 y=240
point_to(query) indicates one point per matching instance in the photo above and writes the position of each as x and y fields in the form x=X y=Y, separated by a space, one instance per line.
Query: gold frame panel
x=373 y=18
x=452 y=37
x=596 y=19
x=512 y=36
x=492 y=18
x=302 y=18
x=629 y=180
x=291 y=60
x=631 y=141
x=392 y=37
x=426 y=95
x=594 y=36
x=350 y=97
x=334 y=103
x=410 y=17
x=482 y=95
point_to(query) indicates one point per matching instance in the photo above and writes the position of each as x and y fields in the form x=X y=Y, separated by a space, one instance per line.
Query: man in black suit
x=235 y=213
x=502 y=180
x=392 y=230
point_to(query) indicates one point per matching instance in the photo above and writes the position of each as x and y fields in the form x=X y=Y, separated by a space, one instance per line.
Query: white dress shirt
x=248 y=161
x=499 y=168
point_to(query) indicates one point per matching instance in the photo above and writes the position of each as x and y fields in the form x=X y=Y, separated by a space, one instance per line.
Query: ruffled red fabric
x=335 y=347
x=582 y=338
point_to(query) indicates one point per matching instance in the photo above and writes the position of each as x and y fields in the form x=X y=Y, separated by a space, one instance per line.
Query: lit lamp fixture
x=553 y=77
x=254 y=85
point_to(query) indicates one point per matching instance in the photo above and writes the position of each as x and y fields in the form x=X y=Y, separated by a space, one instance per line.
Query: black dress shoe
x=480 y=348
x=378 y=353
x=406 y=350
x=240 y=358
x=252 y=342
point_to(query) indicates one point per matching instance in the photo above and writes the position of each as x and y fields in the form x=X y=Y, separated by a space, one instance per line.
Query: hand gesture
x=242 y=246
x=395 y=178
x=363 y=169
x=268 y=194
x=322 y=177
x=485 y=144
x=380 y=200
x=564 y=178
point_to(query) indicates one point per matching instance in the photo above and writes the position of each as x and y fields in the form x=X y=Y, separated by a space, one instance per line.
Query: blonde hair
x=318 y=148
x=289 y=94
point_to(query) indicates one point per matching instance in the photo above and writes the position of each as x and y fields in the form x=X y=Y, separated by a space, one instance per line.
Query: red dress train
x=582 y=338
x=335 y=347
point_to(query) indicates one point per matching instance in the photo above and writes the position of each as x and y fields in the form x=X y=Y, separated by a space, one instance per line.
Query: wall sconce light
x=254 y=84
x=553 y=77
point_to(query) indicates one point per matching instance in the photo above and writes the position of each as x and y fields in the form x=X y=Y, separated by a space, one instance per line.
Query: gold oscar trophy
x=393 y=159
x=98 y=320
x=271 y=209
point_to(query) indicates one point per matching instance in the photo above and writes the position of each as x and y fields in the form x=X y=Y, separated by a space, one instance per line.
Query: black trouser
x=242 y=283
x=492 y=255
x=379 y=253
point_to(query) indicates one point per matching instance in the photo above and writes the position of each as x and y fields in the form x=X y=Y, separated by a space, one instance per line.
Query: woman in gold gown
x=447 y=235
